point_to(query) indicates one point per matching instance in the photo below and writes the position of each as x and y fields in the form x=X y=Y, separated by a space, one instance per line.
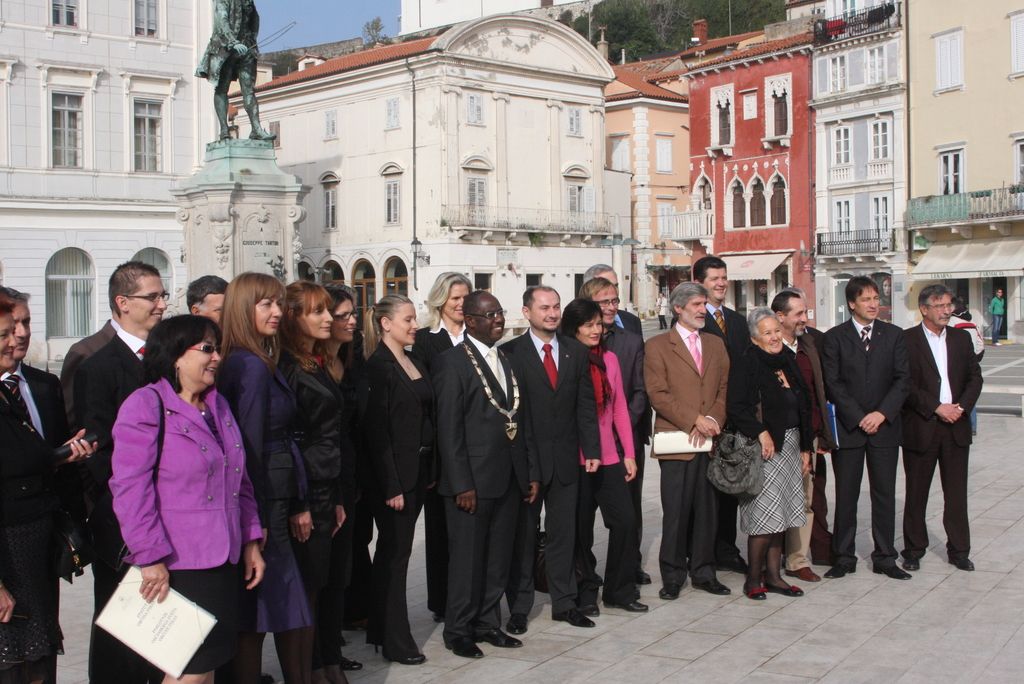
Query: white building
x=424 y=15
x=101 y=115
x=482 y=149
x=859 y=96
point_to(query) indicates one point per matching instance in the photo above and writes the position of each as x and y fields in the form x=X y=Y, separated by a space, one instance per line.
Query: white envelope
x=677 y=442
x=166 y=634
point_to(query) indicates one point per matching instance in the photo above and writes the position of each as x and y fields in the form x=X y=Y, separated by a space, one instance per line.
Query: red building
x=751 y=163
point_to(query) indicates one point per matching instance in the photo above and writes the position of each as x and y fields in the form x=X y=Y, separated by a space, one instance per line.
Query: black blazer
x=428 y=346
x=393 y=422
x=562 y=420
x=964 y=371
x=753 y=386
x=631 y=322
x=629 y=350
x=102 y=382
x=48 y=396
x=475 y=452
x=738 y=337
x=26 y=468
x=79 y=352
x=860 y=382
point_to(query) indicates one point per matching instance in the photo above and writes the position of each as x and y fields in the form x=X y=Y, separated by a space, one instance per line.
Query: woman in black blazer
x=398 y=432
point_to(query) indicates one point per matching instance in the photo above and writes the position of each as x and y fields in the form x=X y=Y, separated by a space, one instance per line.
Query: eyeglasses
x=344 y=316
x=151 y=297
x=490 y=315
x=942 y=306
x=607 y=302
x=207 y=348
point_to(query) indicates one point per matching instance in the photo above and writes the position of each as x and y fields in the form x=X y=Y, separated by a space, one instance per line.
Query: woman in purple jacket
x=181 y=493
x=603 y=482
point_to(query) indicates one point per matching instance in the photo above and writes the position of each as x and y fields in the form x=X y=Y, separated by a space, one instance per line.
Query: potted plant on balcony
x=536 y=239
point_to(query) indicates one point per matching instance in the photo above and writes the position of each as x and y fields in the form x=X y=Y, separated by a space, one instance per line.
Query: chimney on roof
x=700 y=31
x=602 y=44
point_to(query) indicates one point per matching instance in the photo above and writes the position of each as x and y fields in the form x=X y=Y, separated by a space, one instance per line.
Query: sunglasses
x=207 y=348
x=490 y=315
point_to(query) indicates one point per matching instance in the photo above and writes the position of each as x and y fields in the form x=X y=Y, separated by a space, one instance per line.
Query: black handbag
x=737 y=466
x=72 y=548
x=103 y=525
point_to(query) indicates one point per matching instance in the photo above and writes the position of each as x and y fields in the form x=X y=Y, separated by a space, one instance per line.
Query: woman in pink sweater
x=603 y=482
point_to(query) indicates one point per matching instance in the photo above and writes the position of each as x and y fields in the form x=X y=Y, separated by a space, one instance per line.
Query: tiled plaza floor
x=944 y=625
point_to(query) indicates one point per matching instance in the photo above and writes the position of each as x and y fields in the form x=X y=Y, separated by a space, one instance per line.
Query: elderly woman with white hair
x=769 y=402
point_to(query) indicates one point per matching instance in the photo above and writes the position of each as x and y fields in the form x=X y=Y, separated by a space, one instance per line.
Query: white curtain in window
x=70 y=285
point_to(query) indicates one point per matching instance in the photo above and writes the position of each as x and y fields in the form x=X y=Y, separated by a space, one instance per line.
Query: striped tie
x=865 y=337
x=11 y=383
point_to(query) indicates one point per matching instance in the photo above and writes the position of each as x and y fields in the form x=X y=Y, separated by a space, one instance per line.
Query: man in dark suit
x=102 y=383
x=945 y=382
x=79 y=352
x=560 y=417
x=623 y=318
x=445 y=329
x=731 y=328
x=866 y=376
x=484 y=475
x=628 y=348
x=205 y=297
x=813 y=539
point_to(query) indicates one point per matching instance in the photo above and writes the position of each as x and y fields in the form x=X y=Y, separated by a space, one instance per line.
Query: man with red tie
x=560 y=417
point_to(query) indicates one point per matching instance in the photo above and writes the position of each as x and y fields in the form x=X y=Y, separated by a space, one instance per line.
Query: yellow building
x=966 y=151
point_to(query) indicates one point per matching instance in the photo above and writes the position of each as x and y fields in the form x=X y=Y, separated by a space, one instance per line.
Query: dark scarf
x=599 y=375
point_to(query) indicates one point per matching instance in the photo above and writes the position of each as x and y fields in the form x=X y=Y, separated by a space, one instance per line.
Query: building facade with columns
x=101 y=115
x=480 y=150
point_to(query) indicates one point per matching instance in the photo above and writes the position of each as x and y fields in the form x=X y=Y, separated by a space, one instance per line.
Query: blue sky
x=322 y=21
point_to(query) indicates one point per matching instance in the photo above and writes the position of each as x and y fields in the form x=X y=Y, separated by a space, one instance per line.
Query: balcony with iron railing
x=977 y=206
x=523 y=220
x=885 y=17
x=855 y=243
x=698 y=224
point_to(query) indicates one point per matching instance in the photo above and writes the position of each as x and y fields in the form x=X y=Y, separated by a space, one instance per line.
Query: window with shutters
x=874 y=65
x=66 y=124
x=704 y=195
x=618 y=153
x=64 y=12
x=951 y=172
x=475 y=109
x=841 y=146
x=837 y=74
x=778 y=202
x=1017 y=44
x=391 y=119
x=147 y=21
x=476 y=198
x=781 y=103
x=841 y=216
x=330 y=124
x=880 y=213
x=575 y=121
x=757 y=203
x=391 y=198
x=148 y=138
x=880 y=139
x=725 y=123
x=663 y=152
x=330 y=182
x=720 y=115
x=665 y=213
x=580 y=198
x=739 y=206
x=949 y=59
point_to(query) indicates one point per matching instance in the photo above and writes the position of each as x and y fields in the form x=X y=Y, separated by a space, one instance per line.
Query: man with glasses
x=945 y=383
x=484 y=475
x=102 y=382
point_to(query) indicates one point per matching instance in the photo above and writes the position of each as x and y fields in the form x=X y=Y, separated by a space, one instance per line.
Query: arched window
x=757 y=204
x=157 y=259
x=779 y=202
x=392 y=174
x=396 y=277
x=739 y=206
x=724 y=123
x=70 y=287
x=364 y=282
x=781 y=102
x=705 y=194
x=305 y=271
x=331 y=273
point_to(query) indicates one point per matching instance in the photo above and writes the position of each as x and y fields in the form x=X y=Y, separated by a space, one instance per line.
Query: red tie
x=142 y=350
x=549 y=366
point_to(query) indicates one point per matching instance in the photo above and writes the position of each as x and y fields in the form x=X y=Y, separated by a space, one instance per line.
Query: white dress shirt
x=490 y=355
x=134 y=343
x=26 y=394
x=860 y=328
x=937 y=343
x=539 y=344
x=456 y=339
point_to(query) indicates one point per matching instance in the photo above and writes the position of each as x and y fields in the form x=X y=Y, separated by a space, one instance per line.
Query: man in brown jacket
x=686 y=371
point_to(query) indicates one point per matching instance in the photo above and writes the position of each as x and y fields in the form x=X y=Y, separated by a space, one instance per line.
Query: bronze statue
x=231 y=54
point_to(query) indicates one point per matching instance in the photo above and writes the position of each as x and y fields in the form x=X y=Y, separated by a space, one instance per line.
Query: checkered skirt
x=780 y=505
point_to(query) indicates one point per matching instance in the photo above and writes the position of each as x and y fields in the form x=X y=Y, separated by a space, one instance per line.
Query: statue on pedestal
x=231 y=54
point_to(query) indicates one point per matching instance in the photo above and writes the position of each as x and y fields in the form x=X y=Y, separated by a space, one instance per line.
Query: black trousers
x=849 y=469
x=357 y=595
x=110 y=661
x=689 y=514
x=478 y=564
x=389 y=610
x=435 y=530
x=919 y=466
x=607 y=488
x=821 y=538
x=636 y=494
x=559 y=503
x=725 y=538
x=330 y=615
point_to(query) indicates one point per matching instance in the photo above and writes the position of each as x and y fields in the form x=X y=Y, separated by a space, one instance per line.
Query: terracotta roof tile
x=719 y=43
x=356 y=60
x=755 y=50
x=641 y=87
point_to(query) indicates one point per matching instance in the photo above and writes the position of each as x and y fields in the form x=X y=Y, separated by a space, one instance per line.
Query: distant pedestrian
x=663 y=309
x=997 y=307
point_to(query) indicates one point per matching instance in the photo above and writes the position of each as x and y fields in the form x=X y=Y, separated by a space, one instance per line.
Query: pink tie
x=695 y=352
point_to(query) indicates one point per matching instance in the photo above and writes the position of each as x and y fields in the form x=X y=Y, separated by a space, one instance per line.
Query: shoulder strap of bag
x=159 y=435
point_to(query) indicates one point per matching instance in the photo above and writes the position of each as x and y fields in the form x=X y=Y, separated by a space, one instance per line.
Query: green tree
x=373 y=31
x=628 y=27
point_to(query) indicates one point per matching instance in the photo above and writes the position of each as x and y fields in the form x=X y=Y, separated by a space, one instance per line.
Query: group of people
x=243 y=454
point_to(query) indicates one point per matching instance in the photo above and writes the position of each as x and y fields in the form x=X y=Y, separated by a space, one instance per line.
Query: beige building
x=966 y=151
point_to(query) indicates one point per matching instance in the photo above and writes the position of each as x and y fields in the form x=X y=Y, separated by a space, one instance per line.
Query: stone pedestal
x=239 y=213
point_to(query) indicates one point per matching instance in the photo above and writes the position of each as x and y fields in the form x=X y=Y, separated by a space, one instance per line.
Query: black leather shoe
x=516 y=624
x=736 y=564
x=573 y=617
x=669 y=592
x=590 y=610
x=495 y=637
x=912 y=564
x=791 y=590
x=964 y=564
x=465 y=648
x=642 y=577
x=415 y=659
x=837 y=571
x=438 y=617
x=893 y=572
x=713 y=587
x=350 y=665
x=632 y=607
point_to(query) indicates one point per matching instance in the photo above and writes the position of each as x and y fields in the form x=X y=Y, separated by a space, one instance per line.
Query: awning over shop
x=754 y=266
x=971 y=259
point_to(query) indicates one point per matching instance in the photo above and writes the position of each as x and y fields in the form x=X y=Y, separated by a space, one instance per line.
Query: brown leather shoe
x=805 y=574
